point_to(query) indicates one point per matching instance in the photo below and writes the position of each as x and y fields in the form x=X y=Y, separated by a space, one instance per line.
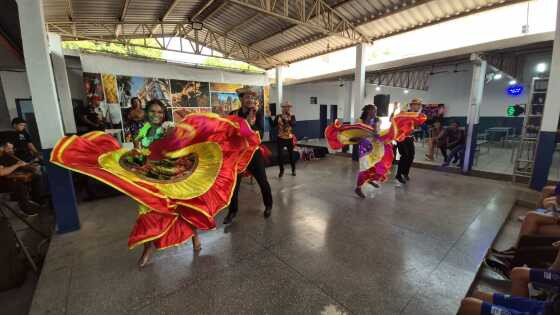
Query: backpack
x=12 y=265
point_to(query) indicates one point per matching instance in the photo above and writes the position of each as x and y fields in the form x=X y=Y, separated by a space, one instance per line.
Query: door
x=25 y=110
x=334 y=113
x=323 y=120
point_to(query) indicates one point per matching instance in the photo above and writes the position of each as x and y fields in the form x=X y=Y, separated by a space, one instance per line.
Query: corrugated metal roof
x=270 y=33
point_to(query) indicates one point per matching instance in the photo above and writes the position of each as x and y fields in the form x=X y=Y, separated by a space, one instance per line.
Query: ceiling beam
x=334 y=23
x=207 y=37
x=243 y=24
x=69 y=10
x=124 y=9
x=204 y=7
x=257 y=42
x=169 y=10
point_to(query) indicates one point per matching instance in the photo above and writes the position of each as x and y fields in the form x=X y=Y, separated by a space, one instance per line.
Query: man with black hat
x=249 y=110
x=285 y=122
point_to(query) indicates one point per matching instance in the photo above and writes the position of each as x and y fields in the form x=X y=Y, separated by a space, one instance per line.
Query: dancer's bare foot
x=146 y=254
x=197 y=246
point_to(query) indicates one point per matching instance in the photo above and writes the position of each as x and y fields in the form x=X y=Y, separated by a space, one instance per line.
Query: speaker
x=382 y=102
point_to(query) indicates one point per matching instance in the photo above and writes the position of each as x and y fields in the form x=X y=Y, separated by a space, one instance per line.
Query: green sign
x=511 y=110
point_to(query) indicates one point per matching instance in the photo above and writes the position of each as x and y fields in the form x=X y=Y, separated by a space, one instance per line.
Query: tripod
x=4 y=206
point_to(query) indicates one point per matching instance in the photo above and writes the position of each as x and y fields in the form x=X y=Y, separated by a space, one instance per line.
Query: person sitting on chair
x=19 y=178
x=23 y=147
x=519 y=302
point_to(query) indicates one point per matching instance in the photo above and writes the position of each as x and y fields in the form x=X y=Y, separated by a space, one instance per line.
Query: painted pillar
x=46 y=108
x=62 y=85
x=358 y=92
x=546 y=143
x=477 y=90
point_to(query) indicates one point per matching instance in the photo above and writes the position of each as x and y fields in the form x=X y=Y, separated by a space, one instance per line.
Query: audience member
x=21 y=140
x=20 y=179
x=89 y=117
x=518 y=303
x=453 y=139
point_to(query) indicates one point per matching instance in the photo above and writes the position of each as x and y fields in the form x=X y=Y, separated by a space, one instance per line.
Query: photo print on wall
x=190 y=93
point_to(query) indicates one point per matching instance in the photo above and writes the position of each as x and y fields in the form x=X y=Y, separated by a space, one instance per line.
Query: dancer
x=248 y=111
x=368 y=117
x=285 y=123
x=376 y=157
x=181 y=176
x=406 y=148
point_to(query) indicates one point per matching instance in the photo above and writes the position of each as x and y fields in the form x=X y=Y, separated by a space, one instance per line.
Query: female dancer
x=368 y=117
x=377 y=156
x=153 y=130
x=182 y=176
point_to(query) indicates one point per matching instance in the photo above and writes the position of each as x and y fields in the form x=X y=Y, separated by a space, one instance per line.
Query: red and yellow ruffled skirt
x=172 y=207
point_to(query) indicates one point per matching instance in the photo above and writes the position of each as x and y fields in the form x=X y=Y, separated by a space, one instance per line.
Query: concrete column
x=359 y=81
x=359 y=89
x=477 y=90
x=62 y=85
x=347 y=101
x=279 y=87
x=547 y=136
x=46 y=109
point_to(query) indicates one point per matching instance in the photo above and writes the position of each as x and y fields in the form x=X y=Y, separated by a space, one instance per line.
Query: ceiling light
x=541 y=67
x=498 y=76
x=405 y=91
x=378 y=88
x=197 y=26
x=512 y=82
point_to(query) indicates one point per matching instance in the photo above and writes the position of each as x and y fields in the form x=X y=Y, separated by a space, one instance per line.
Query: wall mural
x=119 y=101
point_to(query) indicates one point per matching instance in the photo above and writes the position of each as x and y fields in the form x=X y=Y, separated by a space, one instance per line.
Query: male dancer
x=248 y=110
x=406 y=148
x=285 y=123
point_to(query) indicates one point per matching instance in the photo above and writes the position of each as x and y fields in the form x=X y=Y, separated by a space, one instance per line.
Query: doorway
x=24 y=108
x=334 y=113
x=323 y=120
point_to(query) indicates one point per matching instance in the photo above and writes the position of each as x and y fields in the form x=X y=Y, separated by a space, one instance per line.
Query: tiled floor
x=403 y=250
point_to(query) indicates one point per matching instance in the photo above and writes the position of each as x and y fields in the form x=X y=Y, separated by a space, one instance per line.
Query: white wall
x=327 y=93
x=450 y=88
x=15 y=86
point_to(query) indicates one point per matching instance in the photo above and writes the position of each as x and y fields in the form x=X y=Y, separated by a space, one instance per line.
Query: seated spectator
x=20 y=179
x=23 y=147
x=549 y=197
x=454 y=140
x=519 y=303
x=89 y=117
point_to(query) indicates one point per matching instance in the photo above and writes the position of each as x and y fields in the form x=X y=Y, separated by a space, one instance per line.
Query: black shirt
x=21 y=141
x=259 y=119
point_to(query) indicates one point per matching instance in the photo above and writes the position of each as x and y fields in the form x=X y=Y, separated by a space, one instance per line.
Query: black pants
x=443 y=149
x=23 y=191
x=288 y=144
x=406 y=150
x=256 y=167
